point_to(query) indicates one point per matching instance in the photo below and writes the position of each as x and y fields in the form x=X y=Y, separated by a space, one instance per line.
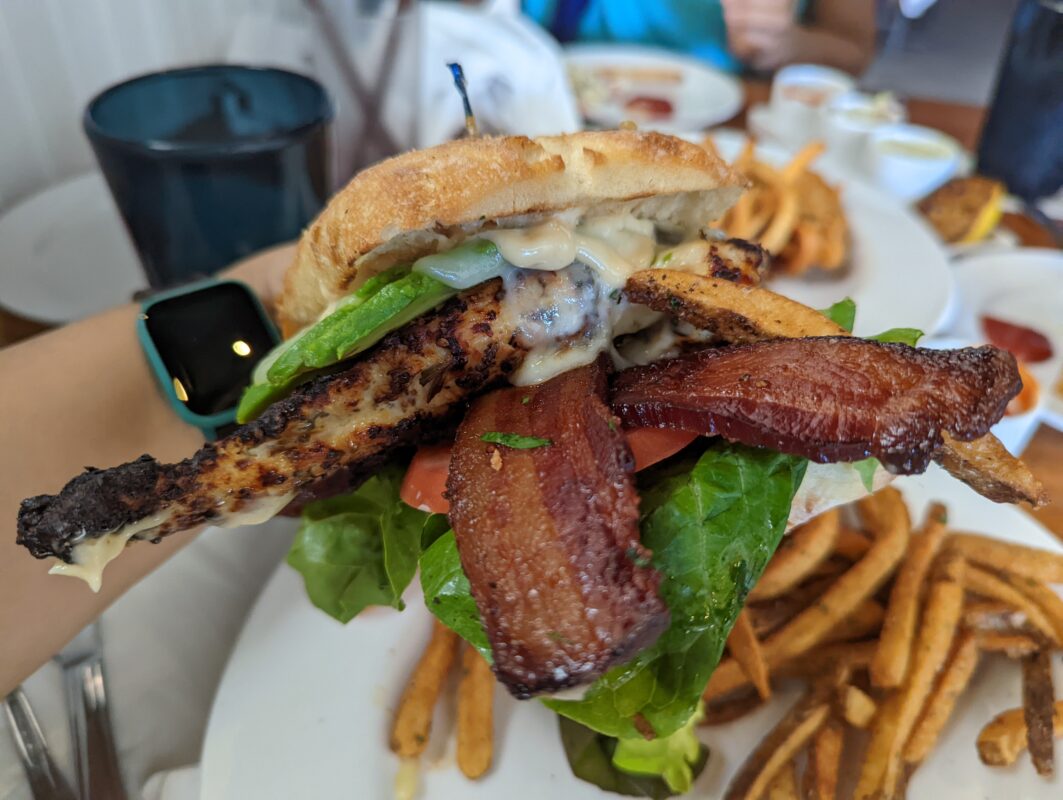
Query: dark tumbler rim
x=249 y=146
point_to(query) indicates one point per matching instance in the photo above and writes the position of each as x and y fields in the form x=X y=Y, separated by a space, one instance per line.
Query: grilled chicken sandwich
x=543 y=304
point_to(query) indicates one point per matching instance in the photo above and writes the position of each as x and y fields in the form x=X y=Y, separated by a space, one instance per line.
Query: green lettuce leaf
x=258 y=396
x=355 y=326
x=359 y=549
x=866 y=470
x=908 y=336
x=671 y=758
x=712 y=526
x=448 y=595
x=591 y=757
x=842 y=313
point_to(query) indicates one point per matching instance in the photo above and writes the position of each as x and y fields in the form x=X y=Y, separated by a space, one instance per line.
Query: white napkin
x=516 y=76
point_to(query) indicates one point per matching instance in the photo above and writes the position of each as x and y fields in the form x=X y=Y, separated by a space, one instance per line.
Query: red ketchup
x=654 y=107
x=1024 y=343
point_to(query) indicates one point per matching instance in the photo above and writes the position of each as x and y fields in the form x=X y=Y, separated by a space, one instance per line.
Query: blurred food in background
x=650 y=87
x=964 y=210
x=792 y=212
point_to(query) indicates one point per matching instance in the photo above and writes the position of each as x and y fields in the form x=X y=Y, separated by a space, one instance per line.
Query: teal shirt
x=695 y=27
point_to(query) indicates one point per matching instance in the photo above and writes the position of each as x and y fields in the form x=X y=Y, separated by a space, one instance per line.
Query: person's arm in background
x=82 y=395
x=765 y=34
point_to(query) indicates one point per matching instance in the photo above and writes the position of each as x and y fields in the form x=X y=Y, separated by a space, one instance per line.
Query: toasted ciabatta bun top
x=428 y=200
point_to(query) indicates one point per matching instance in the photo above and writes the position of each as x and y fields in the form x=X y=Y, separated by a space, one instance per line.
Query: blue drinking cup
x=210 y=164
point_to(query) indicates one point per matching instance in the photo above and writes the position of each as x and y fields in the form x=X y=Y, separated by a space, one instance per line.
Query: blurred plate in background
x=899 y=273
x=1022 y=286
x=654 y=88
x=64 y=253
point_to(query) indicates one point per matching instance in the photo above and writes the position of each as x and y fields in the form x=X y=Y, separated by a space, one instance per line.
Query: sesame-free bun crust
x=428 y=200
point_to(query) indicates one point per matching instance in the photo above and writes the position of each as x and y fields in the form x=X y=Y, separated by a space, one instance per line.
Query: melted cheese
x=561 y=322
x=568 y=324
x=92 y=555
x=407 y=779
x=690 y=256
x=550 y=246
x=263 y=509
x=652 y=344
x=614 y=246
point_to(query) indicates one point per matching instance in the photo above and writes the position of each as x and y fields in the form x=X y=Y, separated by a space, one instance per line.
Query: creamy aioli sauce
x=263 y=509
x=548 y=246
x=568 y=323
x=686 y=257
x=93 y=554
x=407 y=779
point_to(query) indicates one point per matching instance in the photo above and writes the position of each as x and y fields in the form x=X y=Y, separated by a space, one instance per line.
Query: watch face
x=209 y=341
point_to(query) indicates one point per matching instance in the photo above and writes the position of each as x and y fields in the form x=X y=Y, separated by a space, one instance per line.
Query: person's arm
x=81 y=396
x=764 y=34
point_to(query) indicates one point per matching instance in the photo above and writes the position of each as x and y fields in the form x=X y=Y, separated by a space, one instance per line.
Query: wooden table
x=1045 y=452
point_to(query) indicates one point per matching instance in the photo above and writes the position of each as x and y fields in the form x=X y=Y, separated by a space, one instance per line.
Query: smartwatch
x=202 y=341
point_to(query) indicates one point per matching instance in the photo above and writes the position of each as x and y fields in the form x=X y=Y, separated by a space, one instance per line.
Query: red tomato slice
x=426 y=479
x=1025 y=344
x=651 y=445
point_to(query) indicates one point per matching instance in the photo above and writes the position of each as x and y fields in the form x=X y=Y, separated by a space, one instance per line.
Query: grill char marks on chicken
x=548 y=535
x=411 y=383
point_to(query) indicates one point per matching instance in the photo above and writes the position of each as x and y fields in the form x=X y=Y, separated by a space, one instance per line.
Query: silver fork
x=46 y=781
x=95 y=756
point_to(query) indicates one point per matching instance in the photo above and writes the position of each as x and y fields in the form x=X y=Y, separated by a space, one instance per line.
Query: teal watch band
x=171 y=388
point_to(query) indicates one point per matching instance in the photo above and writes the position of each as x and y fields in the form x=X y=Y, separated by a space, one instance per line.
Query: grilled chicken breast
x=414 y=381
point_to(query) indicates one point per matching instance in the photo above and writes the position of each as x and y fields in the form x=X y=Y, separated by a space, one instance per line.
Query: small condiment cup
x=799 y=93
x=850 y=118
x=909 y=160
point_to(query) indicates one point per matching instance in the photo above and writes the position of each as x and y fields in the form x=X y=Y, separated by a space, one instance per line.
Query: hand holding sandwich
x=83 y=395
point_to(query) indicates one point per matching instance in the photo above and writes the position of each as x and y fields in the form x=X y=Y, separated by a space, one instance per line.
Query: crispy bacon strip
x=826 y=398
x=548 y=535
x=746 y=314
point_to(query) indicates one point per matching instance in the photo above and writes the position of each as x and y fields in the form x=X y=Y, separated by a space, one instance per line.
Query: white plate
x=305 y=704
x=703 y=96
x=1023 y=286
x=899 y=274
x=65 y=254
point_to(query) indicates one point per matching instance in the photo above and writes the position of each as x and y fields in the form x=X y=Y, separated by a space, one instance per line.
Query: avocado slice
x=353 y=327
x=467 y=265
x=261 y=393
x=382 y=304
x=356 y=324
